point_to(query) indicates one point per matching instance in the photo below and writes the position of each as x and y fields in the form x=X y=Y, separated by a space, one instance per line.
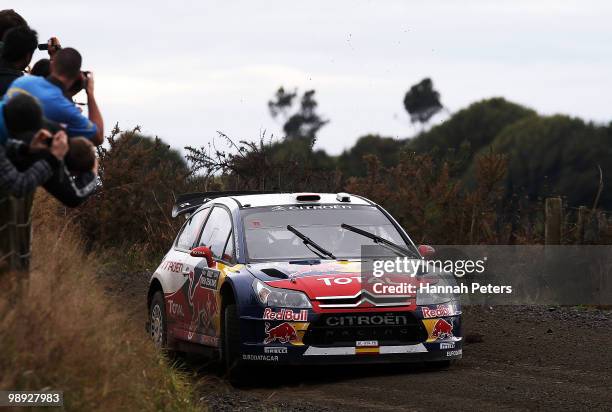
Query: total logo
x=340 y=280
x=175 y=308
x=437 y=312
x=286 y=314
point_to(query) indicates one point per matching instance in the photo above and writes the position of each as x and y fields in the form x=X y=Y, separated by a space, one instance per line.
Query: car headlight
x=283 y=298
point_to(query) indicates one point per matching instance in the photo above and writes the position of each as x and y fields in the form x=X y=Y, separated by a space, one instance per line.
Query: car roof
x=276 y=199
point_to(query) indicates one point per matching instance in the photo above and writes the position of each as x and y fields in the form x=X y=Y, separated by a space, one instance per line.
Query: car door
x=177 y=272
x=202 y=295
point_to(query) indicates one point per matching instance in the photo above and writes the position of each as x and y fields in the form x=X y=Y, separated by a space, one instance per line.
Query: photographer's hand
x=53 y=46
x=90 y=84
x=59 y=146
x=40 y=141
x=94 y=112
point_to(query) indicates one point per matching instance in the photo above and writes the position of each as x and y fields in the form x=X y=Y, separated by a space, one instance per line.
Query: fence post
x=583 y=215
x=552 y=230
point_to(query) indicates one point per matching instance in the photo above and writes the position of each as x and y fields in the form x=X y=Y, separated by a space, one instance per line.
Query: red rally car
x=262 y=278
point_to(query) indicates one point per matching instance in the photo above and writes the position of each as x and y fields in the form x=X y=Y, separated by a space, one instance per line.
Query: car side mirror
x=203 y=252
x=427 y=251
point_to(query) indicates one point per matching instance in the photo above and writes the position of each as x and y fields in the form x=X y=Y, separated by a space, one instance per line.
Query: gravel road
x=515 y=358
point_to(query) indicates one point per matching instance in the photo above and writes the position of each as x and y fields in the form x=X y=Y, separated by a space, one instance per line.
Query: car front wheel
x=231 y=345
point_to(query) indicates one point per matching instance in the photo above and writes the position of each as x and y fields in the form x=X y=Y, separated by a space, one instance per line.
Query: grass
x=59 y=331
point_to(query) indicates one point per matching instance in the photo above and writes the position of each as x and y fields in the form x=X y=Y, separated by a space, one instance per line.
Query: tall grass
x=59 y=331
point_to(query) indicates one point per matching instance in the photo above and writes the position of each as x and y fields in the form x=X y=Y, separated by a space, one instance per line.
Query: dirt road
x=516 y=358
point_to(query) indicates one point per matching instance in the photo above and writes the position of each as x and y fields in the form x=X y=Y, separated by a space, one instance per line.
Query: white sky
x=184 y=69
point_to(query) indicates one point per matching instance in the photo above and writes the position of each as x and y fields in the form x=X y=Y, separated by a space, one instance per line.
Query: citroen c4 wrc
x=277 y=278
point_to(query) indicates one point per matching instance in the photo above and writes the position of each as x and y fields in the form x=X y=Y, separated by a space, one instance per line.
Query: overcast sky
x=185 y=69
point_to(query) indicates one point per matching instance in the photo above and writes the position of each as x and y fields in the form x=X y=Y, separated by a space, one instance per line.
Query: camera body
x=45 y=46
x=79 y=84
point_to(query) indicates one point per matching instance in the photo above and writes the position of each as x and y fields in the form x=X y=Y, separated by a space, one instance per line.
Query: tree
x=422 y=101
x=304 y=123
x=470 y=129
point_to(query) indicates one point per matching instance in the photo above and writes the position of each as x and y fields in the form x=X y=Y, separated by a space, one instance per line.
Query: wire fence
x=15 y=232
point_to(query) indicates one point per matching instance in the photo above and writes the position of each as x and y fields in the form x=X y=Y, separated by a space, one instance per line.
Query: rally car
x=277 y=278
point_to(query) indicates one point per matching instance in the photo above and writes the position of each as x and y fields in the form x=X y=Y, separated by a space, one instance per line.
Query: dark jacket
x=7 y=76
x=71 y=190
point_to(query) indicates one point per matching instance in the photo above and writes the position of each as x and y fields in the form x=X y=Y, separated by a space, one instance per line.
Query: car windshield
x=267 y=236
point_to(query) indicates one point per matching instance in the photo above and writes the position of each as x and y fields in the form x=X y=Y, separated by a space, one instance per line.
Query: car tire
x=158 y=329
x=231 y=345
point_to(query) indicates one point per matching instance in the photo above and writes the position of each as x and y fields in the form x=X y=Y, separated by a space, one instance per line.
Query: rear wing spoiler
x=188 y=202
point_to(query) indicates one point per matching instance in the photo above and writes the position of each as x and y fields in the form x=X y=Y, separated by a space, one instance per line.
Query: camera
x=45 y=46
x=80 y=84
x=52 y=127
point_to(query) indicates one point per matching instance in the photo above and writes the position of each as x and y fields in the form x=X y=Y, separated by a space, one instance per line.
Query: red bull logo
x=440 y=310
x=286 y=314
x=283 y=333
x=203 y=307
x=442 y=329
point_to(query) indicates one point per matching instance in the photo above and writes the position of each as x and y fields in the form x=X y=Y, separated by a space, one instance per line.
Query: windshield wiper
x=380 y=241
x=308 y=241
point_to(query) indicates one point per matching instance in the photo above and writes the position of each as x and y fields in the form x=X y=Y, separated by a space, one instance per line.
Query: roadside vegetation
x=480 y=176
x=60 y=331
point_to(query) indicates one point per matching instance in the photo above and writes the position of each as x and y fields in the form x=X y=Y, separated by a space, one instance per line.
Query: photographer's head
x=9 y=18
x=66 y=66
x=19 y=45
x=22 y=115
x=81 y=156
x=41 y=68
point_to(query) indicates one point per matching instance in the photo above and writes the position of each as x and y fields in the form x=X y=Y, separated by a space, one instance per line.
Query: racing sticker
x=202 y=301
x=286 y=314
x=283 y=333
x=437 y=311
x=275 y=349
x=286 y=332
x=439 y=329
x=265 y=358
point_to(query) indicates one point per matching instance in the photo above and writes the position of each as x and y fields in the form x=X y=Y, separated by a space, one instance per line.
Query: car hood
x=323 y=279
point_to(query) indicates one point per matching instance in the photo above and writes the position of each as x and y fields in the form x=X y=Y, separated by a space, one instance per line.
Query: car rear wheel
x=231 y=345
x=158 y=329
x=157 y=321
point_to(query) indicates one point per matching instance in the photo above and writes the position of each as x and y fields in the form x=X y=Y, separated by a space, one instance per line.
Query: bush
x=61 y=332
x=140 y=177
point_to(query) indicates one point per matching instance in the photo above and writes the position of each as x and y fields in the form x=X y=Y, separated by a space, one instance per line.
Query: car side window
x=228 y=254
x=216 y=232
x=191 y=230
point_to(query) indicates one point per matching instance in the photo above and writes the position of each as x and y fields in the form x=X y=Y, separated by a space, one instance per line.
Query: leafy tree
x=140 y=177
x=387 y=149
x=304 y=123
x=422 y=101
x=557 y=155
x=470 y=129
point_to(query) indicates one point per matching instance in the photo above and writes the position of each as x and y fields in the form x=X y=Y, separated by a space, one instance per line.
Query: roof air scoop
x=308 y=197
